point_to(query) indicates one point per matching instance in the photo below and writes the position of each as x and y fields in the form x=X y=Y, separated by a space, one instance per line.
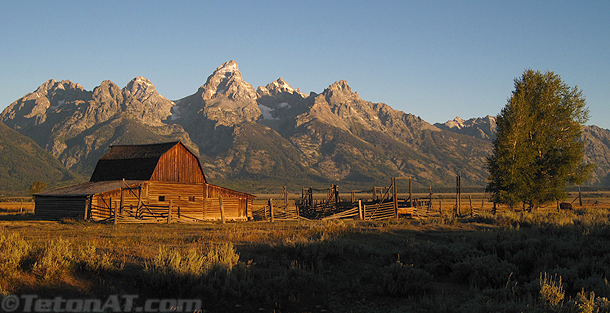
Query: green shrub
x=90 y=259
x=486 y=271
x=583 y=303
x=297 y=282
x=222 y=256
x=402 y=279
x=551 y=289
x=172 y=266
x=13 y=249
x=53 y=259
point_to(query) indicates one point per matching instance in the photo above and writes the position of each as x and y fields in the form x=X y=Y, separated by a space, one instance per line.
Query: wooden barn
x=146 y=183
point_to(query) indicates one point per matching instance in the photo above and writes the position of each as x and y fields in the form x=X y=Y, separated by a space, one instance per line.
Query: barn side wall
x=190 y=202
x=60 y=207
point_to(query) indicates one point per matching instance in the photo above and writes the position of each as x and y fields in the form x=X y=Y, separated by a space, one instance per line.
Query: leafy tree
x=538 y=149
x=37 y=187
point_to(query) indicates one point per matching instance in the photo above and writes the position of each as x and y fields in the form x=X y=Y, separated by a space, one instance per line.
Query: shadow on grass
x=15 y=216
x=21 y=217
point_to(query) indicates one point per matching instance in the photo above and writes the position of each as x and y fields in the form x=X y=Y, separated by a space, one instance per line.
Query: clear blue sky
x=435 y=59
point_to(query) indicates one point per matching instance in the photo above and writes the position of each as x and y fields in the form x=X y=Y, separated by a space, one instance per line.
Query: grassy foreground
x=509 y=262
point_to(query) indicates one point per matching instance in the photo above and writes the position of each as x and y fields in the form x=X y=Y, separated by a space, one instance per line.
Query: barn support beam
x=205 y=200
x=222 y=210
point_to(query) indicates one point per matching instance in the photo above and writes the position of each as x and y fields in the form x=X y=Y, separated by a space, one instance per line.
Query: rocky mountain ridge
x=596 y=140
x=259 y=138
x=77 y=126
x=479 y=127
x=24 y=162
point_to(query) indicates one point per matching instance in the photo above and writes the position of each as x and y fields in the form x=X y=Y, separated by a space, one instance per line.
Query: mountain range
x=596 y=143
x=264 y=138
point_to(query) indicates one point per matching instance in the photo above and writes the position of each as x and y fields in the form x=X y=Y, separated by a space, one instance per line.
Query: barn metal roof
x=133 y=162
x=128 y=152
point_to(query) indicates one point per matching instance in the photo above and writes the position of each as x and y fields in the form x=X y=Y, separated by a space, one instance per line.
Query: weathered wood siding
x=190 y=202
x=237 y=205
x=178 y=165
x=102 y=204
x=187 y=199
x=60 y=207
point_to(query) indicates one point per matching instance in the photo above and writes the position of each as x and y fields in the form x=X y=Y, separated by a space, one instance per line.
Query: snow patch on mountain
x=267 y=115
x=176 y=111
x=59 y=103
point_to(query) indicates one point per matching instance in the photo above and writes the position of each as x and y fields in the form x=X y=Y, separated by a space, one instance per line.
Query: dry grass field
x=513 y=261
x=17 y=206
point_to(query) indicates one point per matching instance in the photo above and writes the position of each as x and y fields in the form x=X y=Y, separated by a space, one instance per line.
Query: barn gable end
x=178 y=165
x=170 y=162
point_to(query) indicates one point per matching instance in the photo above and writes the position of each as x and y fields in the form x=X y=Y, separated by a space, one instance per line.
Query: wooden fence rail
x=274 y=212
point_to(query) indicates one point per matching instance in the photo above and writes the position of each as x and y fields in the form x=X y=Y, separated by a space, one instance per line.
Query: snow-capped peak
x=143 y=80
x=229 y=66
x=280 y=83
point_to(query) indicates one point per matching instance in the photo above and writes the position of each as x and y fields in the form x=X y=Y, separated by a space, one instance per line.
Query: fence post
x=411 y=191
x=285 y=197
x=364 y=211
x=122 y=197
x=116 y=211
x=430 y=200
x=222 y=209
x=271 y=209
x=579 y=197
x=360 y=215
x=557 y=205
x=440 y=207
x=169 y=212
x=336 y=191
x=310 y=196
x=296 y=208
x=265 y=215
x=457 y=195
x=395 y=193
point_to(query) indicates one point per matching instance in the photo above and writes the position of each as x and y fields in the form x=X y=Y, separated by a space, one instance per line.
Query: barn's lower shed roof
x=87 y=189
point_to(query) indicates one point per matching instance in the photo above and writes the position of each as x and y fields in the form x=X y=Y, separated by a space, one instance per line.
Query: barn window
x=161 y=198
x=192 y=198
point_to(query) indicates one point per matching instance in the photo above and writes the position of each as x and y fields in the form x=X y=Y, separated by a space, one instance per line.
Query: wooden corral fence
x=273 y=211
x=278 y=210
x=384 y=204
x=319 y=209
